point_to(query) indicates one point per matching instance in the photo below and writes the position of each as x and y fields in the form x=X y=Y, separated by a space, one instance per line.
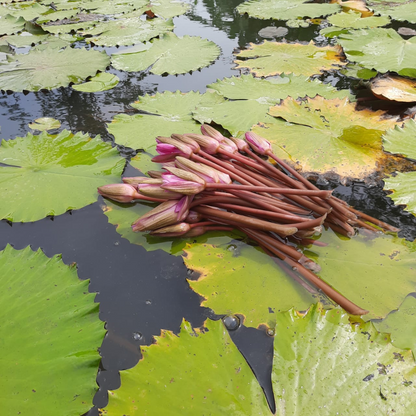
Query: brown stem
x=375 y=221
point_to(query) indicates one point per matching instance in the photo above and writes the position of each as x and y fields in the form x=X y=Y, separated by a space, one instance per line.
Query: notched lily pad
x=168 y=8
x=10 y=24
x=401 y=140
x=398 y=10
x=403 y=186
x=54 y=172
x=273 y=58
x=45 y=124
x=394 y=88
x=101 y=82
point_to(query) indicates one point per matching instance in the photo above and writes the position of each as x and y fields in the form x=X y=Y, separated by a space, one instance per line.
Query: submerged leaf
x=401 y=140
x=54 y=173
x=50 y=332
x=45 y=124
x=403 y=186
x=273 y=58
x=101 y=82
x=394 y=88
x=169 y=54
x=197 y=373
x=327 y=136
x=397 y=10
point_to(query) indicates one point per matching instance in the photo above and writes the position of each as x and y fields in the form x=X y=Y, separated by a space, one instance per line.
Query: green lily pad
x=101 y=82
x=286 y=9
x=50 y=68
x=401 y=324
x=273 y=58
x=249 y=99
x=241 y=279
x=397 y=10
x=169 y=54
x=127 y=31
x=401 y=140
x=296 y=23
x=323 y=365
x=10 y=24
x=28 y=10
x=114 y=7
x=45 y=123
x=55 y=173
x=53 y=16
x=22 y=40
x=374 y=271
x=197 y=373
x=381 y=49
x=341 y=22
x=171 y=112
x=403 y=186
x=50 y=333
x=358 y=71
x=327 y=136
x=168 y=8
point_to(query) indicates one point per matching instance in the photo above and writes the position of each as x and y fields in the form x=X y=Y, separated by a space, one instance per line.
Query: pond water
x=142 y=292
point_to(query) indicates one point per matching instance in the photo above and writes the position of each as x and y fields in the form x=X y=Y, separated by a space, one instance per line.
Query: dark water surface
x=142 y=292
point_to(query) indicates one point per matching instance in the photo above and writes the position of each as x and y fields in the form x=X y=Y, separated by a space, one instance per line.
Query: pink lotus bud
x=183 y=186
x=195 y=232
x=184 y=174
x=167 y=213
x=188 y=141
x=228 y=145
x=155 y=191
x=134 y=181
x=240 y=143
x=224 y=177
x=205 y=172
x=156 y=174
x=172 y=230
x=120 y=192
x=193 y=217
x=208 y=144
x=168 y=165
x=207 y=130
x=183 y=148
x=258 y=144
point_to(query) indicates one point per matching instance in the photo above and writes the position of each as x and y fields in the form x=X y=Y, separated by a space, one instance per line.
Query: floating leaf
x=115 y=7
x=271 y=32
x=296 y=23
x=401 y=140
x=249 y=99
x=50 y=68
x=358 y=71
x=127 y=31
x=323 y=365
x=25 y=9
x=168 y=8
x=10 y=24
x=22 y=40
x=101 y=82
x=168 y=55
x=54 y=173
x=241 y=279
x=286 y=9
x=341 y=22
x=403 y=186
x=381 y=49
x=45 y=123
x=397 y=10
x=390 y=87
x=327 y=136
x=172 y=113
x=273 y=58
x=50 y=333
x=197 y=372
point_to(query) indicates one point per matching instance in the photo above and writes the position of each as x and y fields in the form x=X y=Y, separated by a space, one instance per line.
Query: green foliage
x=50 y=334
x=45 y=124
x=101 y=82
x=397 y=10
x=10 y=24
x=168 y=8
x=403 y=186
x=401 y=140
x=54 y=172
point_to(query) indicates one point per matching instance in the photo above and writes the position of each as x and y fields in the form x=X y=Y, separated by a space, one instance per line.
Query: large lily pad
x=327 y=136
x=398 y=10
x=170 y=113
x=169 y=54
x=286 y=9
x=374 y=271
x=403 y=186
x=101 y=82
x=10 y=25
x=401 y=140
x=50 y=334
x=241 y=279
x=249 y=99
x=168 y=8
x=127 y=31
x=28 y=10
x=273 y=58
x=50 y=68
x=323 y=365
x=197 y=373
x=381 y=49
x=53 y=173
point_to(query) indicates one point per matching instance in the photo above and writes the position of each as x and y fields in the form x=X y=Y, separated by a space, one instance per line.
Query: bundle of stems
x=210 y=182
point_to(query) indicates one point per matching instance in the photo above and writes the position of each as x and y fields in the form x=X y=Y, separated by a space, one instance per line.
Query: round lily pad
x=45 y=124
x=101 y=82
x=398 y=10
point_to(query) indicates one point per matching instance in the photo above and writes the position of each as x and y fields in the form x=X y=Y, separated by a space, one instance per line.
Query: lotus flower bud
x=141 y=179
x=195 y=232
x=184 y=174
x=207 y=130
x=205 y=172
x=156 y=174
x=228 y=145
x=155 y=191
x=224 y=177
x=182 y=147
x=258 y=144
x=193 y=217
x=172 y=230
x=183 y=186
x=208 y=144
x=168 y=148
x=120 y=192
x=240 y=143
x=188 y=141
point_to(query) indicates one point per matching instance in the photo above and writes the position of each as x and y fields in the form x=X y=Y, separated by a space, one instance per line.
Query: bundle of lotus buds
x=210 y=182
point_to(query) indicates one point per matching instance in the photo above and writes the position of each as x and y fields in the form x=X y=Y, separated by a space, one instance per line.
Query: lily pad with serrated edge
x=401 y=140
x=101 y=82
x=197 y=372
x=325 y=136
x=168 y=8
x=358 y=71
x=170 y=112
x=403 y=186
x=381 y=49
x=394 y=88
x=169 y=54
x=50 y=334
x=54 y=173
x=23 y=40
x=286 y=9
x=274 y=58
x=10 y=25
x=45 y=123
x=27 y=10
x=324 y=365
x=397 y=10
x=50 y=68
x=249 y=99
x=127 y=31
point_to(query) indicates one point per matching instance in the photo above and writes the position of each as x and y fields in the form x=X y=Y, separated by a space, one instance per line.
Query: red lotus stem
x=310 y=223
x=148 y=198
x=375 y=221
